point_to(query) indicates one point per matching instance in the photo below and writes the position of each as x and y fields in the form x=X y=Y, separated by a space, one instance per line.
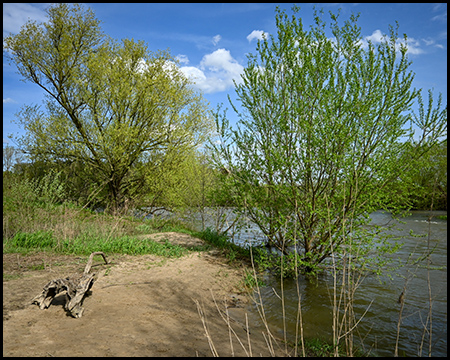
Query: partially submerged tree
x=324 y=121
x=111 y=106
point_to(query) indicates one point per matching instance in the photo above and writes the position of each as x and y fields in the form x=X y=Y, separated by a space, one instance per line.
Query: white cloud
x=15 y=15
x=432 y=42
x=428 y=42
x=256 y=34
x=183 y=59
x=221 y=59
x=194 y=73
x=441 y=17
x=413 y=46
x=215 y=72
x=216 y=39
x=8 y=100
x=377 y=37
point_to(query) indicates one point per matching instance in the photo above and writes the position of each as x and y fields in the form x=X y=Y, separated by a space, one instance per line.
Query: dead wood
x=76 y=288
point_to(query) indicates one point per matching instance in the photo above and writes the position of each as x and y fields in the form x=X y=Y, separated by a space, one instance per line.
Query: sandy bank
x=139 y=306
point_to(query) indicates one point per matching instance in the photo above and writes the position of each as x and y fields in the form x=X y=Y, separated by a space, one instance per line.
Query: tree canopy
x=320 y=140
x=116 y=108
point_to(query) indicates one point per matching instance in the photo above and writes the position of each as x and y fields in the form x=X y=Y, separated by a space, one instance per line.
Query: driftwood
x=76 y=288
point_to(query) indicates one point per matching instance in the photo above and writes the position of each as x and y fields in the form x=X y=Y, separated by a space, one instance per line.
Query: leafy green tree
x=114 y=107
x=171 y=182
x=430 y=183
x=318 y=140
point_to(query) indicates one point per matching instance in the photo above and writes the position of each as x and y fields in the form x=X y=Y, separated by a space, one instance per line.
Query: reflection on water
x=378 y=329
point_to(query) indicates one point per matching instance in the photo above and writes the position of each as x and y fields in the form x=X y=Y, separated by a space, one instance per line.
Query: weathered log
x=89 y=263
x=76 y=288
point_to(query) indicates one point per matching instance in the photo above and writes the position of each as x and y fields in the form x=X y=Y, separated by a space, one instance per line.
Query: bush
x=288 y=265
x=50 y=189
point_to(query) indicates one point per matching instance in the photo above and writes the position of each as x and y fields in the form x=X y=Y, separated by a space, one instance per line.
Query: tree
x=430 y=184
x=323 y=123
x=111 y=106
x=11 y=157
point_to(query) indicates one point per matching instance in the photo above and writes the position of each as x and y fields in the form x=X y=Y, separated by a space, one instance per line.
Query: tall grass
x=35 y=218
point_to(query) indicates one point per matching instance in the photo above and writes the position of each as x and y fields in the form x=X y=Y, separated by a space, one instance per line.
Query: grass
x=231 y=251
x=318 y=347
x=30 y=223
x=85 y=245
x=35 y=221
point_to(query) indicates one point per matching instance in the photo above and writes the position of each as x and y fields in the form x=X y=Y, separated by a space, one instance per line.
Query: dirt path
x=139 y=306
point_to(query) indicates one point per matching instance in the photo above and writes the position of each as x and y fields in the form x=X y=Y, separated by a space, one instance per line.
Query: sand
x=139 y=306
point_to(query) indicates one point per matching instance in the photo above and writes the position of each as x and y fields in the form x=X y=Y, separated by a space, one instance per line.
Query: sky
x=212 y=41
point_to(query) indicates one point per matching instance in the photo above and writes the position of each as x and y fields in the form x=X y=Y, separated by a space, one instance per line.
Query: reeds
x=348 y=276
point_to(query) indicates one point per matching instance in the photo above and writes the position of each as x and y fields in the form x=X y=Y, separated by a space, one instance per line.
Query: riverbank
x=144 y=305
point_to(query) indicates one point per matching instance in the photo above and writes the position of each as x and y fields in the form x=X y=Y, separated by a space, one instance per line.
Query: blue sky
x=212 y=40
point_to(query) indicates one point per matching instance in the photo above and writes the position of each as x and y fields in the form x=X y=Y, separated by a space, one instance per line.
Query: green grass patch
x=85 y=245
x=318 y=347
x=221 y=241
x=24 y=242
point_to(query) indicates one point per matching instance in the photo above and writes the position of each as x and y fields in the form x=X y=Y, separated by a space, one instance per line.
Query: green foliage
x=21 y=201
x=250 y=281
x=286 y=265
x=221 y=241
x=30 y=224
x=211 y=236
x=38 y=240
x=180 y=184
x=115 y=112
x=50 y=188
x=430 y=183
x=318 y=347
x=26 y=209
x=85 y=245
x=11 y=157
x=324 y=139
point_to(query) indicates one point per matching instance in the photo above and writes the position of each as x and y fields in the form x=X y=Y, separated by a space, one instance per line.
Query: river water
x=377 y=331
x=377 y=296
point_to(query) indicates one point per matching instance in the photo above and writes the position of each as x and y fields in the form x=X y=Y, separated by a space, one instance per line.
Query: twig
x=203 y=319
x=356 y=324
x=248 y=335
x=229 y=326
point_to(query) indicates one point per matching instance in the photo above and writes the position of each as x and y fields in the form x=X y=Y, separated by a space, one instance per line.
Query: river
x=377 y=331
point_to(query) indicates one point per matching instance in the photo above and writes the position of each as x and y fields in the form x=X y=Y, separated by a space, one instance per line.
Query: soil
x=138 y=306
